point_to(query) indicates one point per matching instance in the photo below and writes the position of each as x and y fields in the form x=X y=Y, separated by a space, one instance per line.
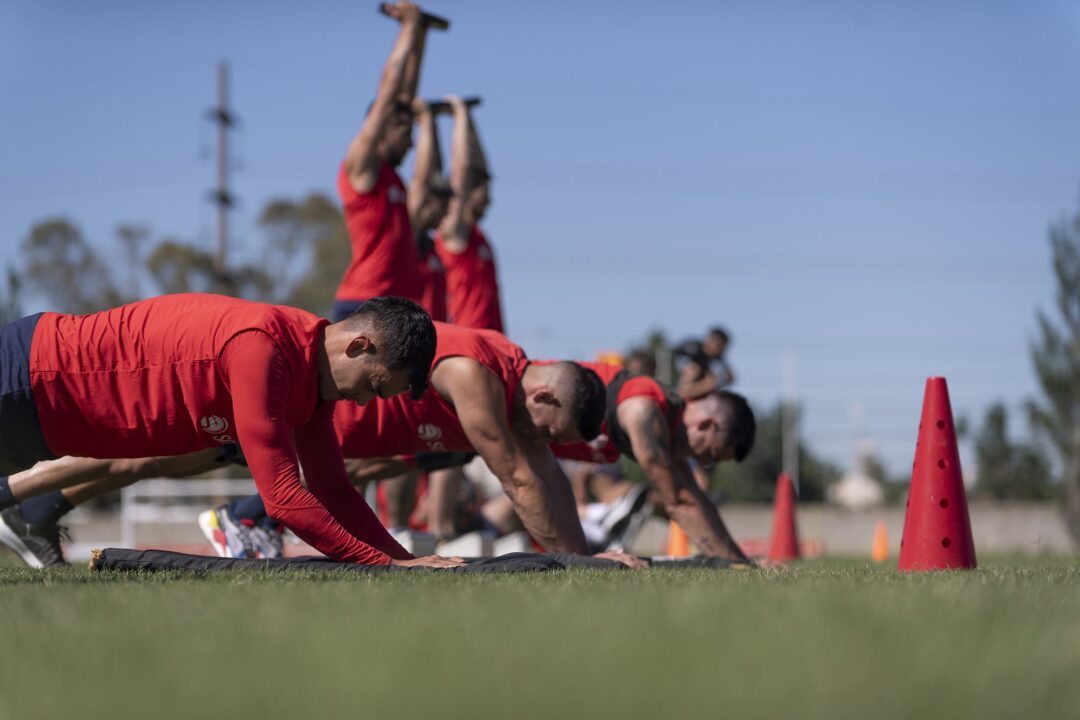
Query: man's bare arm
x=690 y=388
x=455 y=234
x=362 y=160
x=525 y=466
x=684 y=501
x=428 y=161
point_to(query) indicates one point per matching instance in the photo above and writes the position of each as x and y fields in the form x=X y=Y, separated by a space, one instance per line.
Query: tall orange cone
x=937 y=530
x=785 y=539
x=879 y=551
x=678 y=545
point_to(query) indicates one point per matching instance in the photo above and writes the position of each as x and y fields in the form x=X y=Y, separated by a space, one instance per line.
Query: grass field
x=824 y=639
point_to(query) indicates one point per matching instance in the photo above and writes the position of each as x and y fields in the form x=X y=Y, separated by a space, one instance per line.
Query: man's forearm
x=548 y=515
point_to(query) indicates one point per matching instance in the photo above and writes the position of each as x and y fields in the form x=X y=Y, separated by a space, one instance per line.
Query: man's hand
x=431 y=561
x=404 y=11
x=630 y=561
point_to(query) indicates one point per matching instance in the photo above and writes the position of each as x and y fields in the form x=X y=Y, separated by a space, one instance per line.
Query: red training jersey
x=384 y=258
x=399 y=426
x=602 y=450
x=471 y=283
x=179 y=373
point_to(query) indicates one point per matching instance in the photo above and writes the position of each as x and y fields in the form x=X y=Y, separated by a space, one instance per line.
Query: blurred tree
x=132 y=239
x=60 y=266
x=307 y=250
x=1008 y=470
x=1056 y=357
x=178 y=267
x=10 y=306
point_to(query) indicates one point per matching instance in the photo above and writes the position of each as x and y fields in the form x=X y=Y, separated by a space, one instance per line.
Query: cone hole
x=946 y=542
x=940 y=424
x=942 y=464
x=944 y=502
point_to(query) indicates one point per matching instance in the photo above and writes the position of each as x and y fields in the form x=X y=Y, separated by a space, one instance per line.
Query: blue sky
x=863 y=186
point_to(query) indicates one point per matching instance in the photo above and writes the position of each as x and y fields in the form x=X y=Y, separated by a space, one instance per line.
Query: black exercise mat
x=158 y=560
x=602 y=564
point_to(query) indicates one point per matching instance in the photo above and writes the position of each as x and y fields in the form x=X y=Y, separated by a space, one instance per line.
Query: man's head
x=566 y=401
x=478 y=200
x=397 y=135
x=720 y=426
x=383 y=349
x=435 y=205
x=715 y=342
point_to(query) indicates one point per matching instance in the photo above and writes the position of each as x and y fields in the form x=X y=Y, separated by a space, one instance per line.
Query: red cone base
x=937 y=530
x=785 y=539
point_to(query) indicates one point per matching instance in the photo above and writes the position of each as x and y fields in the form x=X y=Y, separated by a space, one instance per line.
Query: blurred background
x=861 y=193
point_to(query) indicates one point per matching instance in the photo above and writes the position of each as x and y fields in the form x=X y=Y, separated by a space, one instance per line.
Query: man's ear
x=358 y=346
x=544 y=394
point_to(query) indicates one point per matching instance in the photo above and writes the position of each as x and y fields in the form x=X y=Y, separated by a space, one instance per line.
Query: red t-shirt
x=384 y=258
x=602 y=450
x=399 y=426
x=433 y=284
x=179 y=373
x=471 y=283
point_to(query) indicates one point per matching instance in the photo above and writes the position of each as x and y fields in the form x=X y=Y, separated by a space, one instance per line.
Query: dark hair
x=645 y=357
x=405 y=333
x=720 y=333
x=588 y=400
x=743 y=426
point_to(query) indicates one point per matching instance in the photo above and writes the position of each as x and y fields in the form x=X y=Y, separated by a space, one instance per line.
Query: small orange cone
x=879 y=551
x=937 y=529
x=678 y=545
x=785 y=538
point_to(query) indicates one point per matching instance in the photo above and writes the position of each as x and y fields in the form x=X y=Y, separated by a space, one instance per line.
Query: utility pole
x=223 y=117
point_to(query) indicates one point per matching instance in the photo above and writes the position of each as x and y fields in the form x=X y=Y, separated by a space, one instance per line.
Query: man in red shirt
x=179 y=373
x=471 y=282
x=384 y=257
x=653 y=427
x=487 y=397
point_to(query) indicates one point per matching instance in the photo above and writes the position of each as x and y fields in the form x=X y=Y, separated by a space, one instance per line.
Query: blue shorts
x=345 y=308
x=21 y=441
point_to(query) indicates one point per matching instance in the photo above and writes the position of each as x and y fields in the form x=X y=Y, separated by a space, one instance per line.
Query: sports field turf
x=828 y=639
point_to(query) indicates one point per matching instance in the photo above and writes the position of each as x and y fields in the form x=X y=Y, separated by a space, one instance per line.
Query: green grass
x=828 y=639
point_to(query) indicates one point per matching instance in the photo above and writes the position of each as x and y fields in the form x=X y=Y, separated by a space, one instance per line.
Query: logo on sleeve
x=214 y=424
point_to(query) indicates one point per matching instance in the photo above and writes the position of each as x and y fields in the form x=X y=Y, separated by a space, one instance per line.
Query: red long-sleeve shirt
x=179 y=373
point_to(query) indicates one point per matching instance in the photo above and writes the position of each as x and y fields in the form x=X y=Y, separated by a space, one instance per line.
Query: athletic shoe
x=231 y=537
x=269 y=539
x=37 y=545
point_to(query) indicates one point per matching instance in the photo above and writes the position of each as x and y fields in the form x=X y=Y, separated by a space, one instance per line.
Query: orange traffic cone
x=879 y=551
x=678 y=545
x=937 y=530
x=785 y=539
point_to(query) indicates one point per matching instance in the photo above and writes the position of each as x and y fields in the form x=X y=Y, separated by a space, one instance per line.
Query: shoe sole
x=13 y=542
x=208 y=523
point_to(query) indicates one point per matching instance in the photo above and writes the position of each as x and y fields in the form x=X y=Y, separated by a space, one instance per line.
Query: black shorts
x=21 y=441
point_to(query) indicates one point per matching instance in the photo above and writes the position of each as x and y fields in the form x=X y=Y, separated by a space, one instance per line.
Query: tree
x=10 y=307
x=178 y=267
x=1056 y=356
x=61 y=266
x=307 y=249
x=1008 y=470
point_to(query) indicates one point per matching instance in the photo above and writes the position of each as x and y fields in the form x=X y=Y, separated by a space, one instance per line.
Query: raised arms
x=362 y=159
